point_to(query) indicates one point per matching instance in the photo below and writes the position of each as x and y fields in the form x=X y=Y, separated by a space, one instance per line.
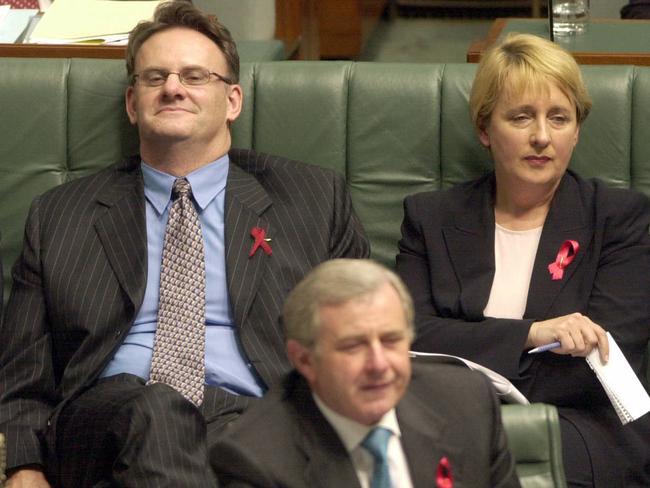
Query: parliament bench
x=391 y=129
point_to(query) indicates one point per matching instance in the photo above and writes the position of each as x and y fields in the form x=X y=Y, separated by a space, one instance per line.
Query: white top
x=352 y=434
x=514 y=257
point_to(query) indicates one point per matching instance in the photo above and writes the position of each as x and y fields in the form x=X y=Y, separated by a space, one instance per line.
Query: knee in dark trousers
x=121 y=432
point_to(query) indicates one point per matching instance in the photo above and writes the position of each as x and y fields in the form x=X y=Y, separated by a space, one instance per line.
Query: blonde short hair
x=525 y=62
x=335 y=282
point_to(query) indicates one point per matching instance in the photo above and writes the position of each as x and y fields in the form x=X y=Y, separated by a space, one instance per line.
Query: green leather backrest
x=391 y=129
x=534 y=438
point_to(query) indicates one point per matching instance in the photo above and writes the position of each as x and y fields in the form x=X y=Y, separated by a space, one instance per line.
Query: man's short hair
x=181 y=13
x=335 y=282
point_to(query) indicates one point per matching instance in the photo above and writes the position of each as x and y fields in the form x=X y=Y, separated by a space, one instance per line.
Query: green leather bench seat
x=538 y=451
x=391 y=129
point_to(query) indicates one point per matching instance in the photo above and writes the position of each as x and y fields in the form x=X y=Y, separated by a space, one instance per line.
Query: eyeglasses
x=192 y=76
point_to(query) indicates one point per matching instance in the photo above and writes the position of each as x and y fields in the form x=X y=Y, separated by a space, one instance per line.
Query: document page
x=4 y=10
x=78 y=20
x=625 y=391
x=13 y=23
x=505 y=389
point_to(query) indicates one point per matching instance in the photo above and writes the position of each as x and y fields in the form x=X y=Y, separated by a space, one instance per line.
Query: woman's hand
x=577 y=334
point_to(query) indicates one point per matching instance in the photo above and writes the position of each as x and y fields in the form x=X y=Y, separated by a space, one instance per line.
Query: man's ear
x=129 y=102
x=235 y=102
x=302 y=359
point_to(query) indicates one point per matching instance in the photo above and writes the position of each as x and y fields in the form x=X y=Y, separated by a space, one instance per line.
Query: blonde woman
x=532 y=254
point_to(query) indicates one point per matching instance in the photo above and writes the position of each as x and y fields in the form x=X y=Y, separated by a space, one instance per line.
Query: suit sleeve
x=236 y=467
x=445 y=333
x=347 y=239
x=620 y=296
x=2 y=285
x=26 y=375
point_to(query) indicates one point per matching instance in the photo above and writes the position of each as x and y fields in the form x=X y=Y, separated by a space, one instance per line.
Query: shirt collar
x=207 y=182
x=351 y=432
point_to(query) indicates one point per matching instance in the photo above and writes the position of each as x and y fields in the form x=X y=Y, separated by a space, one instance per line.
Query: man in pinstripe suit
x=78 y=336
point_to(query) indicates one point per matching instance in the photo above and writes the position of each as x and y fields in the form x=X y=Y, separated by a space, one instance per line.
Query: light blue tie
x=376 y=443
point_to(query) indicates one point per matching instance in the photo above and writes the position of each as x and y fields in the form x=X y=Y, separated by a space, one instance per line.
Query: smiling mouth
x=377 y=386
x=172 y=110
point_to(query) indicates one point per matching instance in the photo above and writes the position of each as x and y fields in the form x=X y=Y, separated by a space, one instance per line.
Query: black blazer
x=447 y=260
x=81 y=277
x=284 y=441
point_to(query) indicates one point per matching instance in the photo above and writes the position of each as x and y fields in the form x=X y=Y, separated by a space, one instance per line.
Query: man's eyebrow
x=154 y=68
x=351 y=337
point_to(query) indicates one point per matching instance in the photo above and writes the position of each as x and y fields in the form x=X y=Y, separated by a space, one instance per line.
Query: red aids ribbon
x=443 y=474
x=259 y=235
x=565 y=255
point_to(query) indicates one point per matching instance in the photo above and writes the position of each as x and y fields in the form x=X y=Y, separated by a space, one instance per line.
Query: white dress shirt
x=352 y=434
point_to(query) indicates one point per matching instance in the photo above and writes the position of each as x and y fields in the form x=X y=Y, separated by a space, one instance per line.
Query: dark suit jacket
x=2 y=285
x=284 y=441
x=81 y=277
x=447 y=260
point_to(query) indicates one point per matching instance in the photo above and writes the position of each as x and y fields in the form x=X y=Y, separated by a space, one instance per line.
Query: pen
x=545 y=347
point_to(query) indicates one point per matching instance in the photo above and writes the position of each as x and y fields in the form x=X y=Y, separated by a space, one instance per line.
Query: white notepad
x=625 y=391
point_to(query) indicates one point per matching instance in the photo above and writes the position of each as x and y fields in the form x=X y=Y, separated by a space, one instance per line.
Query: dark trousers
x=122 y=433
x=577 y=462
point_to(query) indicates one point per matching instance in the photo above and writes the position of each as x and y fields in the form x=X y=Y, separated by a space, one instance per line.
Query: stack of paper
x=625 y=391
x=13 y=22
x=94 y=21
x=4 y=10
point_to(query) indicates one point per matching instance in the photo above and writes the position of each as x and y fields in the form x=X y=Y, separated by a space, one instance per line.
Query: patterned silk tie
x=376 y=442
x=179 y=347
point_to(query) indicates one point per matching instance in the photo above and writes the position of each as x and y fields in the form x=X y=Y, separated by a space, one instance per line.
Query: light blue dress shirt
x=226 y=365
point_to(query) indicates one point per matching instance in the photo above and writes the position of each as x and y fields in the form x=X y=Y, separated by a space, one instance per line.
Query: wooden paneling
x=346 y=24
x=62 y=51
x=535 y=5
x=296 y=23
x=310 y=29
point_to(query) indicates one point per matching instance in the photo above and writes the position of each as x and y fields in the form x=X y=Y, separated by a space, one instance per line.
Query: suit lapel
x=470 y=245
x=329 y=467
x=122 y=229
x=328 y=462
x=246 y=201
x=566 y=220
x=422 y=439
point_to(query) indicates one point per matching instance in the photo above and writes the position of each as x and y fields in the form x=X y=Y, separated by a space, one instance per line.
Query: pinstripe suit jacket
x=81 y=277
